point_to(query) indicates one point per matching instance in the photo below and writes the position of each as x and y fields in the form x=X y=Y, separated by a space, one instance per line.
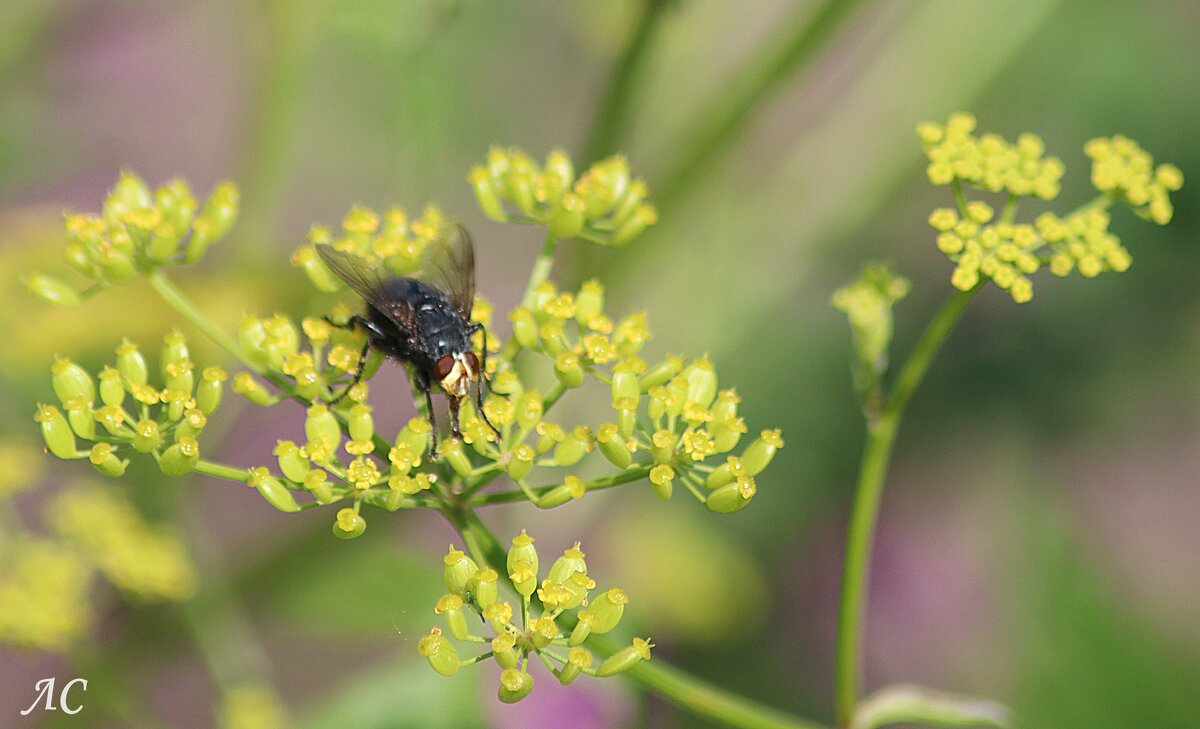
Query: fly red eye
x=443 y=366
x=472 y=362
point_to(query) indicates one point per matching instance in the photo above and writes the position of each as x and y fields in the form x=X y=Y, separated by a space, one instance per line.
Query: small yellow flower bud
x=626 y=658
x=131 y=364
x=276 y=494
x=503 y=650
x=56 y=432
x=112 y=391
x=731 y=497
x=485 y=194
x=483 y=587
x=520 y=462
x=662 y=481
x=577 y=660
x=105 y=460
x=544 y=631
x=624 y=382
x=626 y=416
x=643 y=216
x=523 y=554
x=245 y=385
x=458 y=569
x=571 y=561
x=524 y=327
x=567 y=216
x=662 y=372
x=759 y=453
x=317 y=483
x=322 y=425
x=111 y=417
x=181 y=457
x=452 y=452
x=701 y=380
x=450 y=607
x=613 y=446
x=607 y=609
x=292 y=463
x=498 y=615
x=52 y=289
x=662 y=446
x=214 y=221
x=515 y=685
x=414 y=436
x=573 y=447
x=568 y=370
x=359 y=423
x=146 y=436
x=71 y=381
x=440 y=653
x=79 y=415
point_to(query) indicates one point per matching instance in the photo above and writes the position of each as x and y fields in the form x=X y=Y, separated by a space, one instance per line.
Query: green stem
x=881 y=433
x=220 y=470
x=611 y=118
x=541 y=269
x=184 y=307
x=687 y=691
x=629 y=475
x=711 y=702
x=739 y=98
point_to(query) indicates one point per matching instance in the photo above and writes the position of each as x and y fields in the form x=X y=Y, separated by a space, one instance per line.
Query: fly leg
x=421 y=381
x=369 y=327
x=483 y=380
x=454 y=403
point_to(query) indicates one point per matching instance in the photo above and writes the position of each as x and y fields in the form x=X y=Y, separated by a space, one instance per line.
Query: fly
x=423 y=321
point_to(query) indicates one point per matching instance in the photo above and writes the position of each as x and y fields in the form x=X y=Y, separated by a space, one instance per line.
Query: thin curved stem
x=611 y=117
x=634 y=473
x=175 y=298
x=736 y=100
x=881 y=433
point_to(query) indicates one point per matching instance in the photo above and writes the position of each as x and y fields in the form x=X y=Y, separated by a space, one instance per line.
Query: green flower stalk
x=984 y=247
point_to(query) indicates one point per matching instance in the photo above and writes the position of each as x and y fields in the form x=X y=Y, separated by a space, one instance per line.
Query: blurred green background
x=1038 y=542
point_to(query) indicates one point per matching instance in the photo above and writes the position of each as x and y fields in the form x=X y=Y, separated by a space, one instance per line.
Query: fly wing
x=375 y=287
x=449 y=266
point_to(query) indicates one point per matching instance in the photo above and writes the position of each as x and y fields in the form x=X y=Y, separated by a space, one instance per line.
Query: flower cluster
x=671 y=411
x=146 y=562
x=603 y=205
x=998 y=249
x=138 y=231
x=44 y=587
x=46 y=578
x=391 y=242
x=1122 y=168
x=124 y=413
x=567 y=617
x=989 y=162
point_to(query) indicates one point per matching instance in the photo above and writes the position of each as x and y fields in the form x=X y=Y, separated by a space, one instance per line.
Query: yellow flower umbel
x=552 y=630
x=604 y=205
x=138 y=231
x=126 y=415
x=987 y=246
